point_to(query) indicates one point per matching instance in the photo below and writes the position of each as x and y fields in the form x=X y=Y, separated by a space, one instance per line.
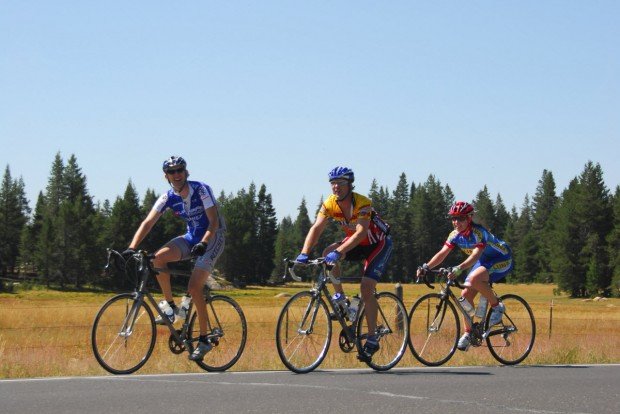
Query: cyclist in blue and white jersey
x=194 y=202
x=489 y=258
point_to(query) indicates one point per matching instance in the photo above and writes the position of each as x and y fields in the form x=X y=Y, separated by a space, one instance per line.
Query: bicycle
x=434 y=326
x=304 y=328
x=124 y=330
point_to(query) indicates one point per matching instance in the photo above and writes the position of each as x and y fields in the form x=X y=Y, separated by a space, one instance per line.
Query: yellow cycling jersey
x=361 y=209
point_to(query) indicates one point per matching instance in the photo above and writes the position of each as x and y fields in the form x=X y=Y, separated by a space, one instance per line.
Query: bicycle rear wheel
x=392 y=332
x=228 y=333
x=123 y=334
x=511 y=341
x=434 y=329
x=303 y=332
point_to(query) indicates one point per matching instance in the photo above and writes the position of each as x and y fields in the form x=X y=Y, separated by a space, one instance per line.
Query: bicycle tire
x=300 y=349
x=511 y=341
x=117 y=350
x=434 y=329
x=392 y=332
x=225 y=315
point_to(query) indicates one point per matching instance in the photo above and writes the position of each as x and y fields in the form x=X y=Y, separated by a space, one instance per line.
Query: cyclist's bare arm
x=439 y=257
x=145 y=227
x=314 y=233
x=214 y=224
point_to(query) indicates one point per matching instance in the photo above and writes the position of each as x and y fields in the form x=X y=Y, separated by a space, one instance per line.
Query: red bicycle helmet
x=461 y=208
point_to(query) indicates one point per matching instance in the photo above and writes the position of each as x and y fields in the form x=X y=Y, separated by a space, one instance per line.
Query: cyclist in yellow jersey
x=367 y=238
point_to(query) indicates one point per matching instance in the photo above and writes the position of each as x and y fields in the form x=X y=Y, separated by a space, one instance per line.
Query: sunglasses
x=172 y=172
x=339 y=183
x=458 y=218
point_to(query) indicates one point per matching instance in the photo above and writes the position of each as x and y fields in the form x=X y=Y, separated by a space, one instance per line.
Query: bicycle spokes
x=511 y=341
x=433 y=329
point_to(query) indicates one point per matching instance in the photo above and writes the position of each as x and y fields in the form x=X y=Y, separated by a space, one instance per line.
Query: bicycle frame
x=477 y=328
x=226 y=323
x=145 y=270
x=318 y=290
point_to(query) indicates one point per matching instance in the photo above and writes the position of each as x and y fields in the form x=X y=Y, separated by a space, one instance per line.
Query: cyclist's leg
x=336 y=271
x=484 y=272
x=477 y=280
x=196 y=283
x=172 y=251
x=200 y=274
x=374 y=266
x=367 y=289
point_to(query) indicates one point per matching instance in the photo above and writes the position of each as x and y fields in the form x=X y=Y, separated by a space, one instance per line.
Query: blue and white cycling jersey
x=478 y=236
x=191 y=209
x=496 y=254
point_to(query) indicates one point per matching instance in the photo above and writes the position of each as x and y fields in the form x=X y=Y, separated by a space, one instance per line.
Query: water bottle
x=467 y=306
x=481 y=309
x=166 y=309
x=185 y=301
x=354 y=307
x=341 y=301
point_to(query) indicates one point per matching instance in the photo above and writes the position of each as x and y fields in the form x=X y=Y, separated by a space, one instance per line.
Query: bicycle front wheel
x=511 y=341
x=303 y=332
x=434 y=329
x=392 y=331
x=228 y=333
x=123 y=334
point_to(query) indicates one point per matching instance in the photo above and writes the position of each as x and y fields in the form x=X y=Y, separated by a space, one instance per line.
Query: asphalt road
x=521 y=389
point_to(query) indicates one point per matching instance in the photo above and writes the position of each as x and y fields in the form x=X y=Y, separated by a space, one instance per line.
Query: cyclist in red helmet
x=367 y=238
x=489 y=259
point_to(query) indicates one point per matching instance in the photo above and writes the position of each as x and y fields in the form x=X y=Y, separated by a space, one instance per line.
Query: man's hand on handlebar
x=302 y=258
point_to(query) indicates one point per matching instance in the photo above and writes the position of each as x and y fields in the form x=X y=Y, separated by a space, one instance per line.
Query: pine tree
x=523 y=246
x=510 y=236
x=566 y=242
x=237 y=260
x=48 y=254
x=485 y=211
x=160 y=234
x=380 y=198
x=544 y=201
x=266 y=228
x=543 y=206
x=284 y=248
x=30 y=236
x=502 y=217
x=76 y=233
x=400 y=266
x=423 y=244
x=595 y=214
x=14 y=212
x=301 y=225
x=613 y=243
x=125 y=217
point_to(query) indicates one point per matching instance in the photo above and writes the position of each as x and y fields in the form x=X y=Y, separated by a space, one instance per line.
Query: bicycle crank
x=345 y=345
x=175 y=347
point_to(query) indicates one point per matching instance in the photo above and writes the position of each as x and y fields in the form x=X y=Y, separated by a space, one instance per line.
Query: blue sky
x=279 y=92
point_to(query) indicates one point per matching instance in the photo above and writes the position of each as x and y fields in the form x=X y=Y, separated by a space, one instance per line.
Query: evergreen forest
x=570 y=238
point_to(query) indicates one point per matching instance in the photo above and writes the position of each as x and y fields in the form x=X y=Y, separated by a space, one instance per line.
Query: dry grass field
x=47 y=333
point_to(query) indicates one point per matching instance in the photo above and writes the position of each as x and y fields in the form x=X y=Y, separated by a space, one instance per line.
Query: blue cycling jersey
x=478 y=236
x=192 y=209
